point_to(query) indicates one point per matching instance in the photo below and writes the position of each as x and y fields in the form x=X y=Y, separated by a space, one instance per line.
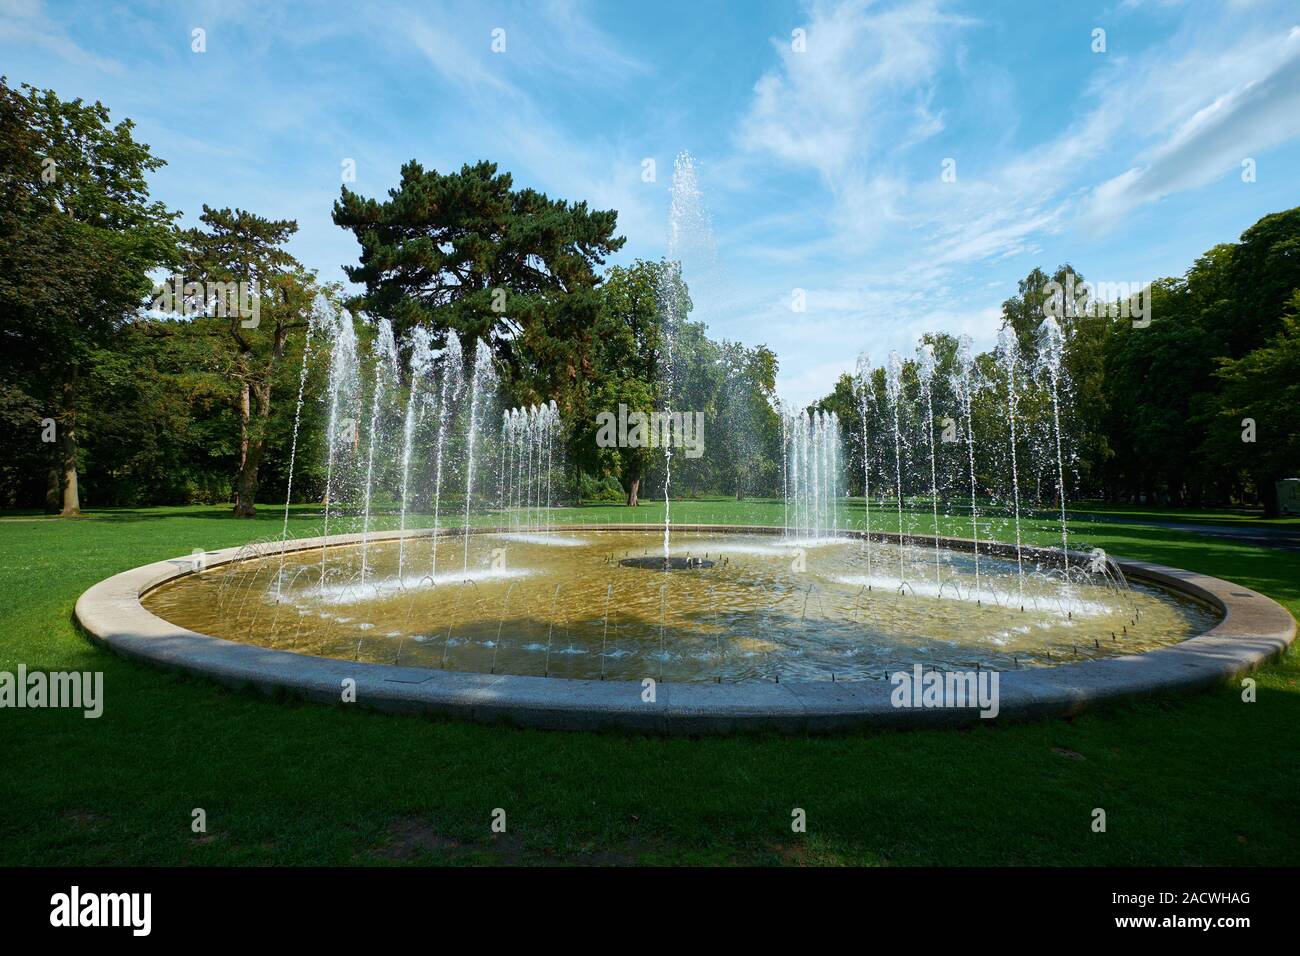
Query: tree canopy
x=469 y=254
x=1195 y=407
x=79 y=236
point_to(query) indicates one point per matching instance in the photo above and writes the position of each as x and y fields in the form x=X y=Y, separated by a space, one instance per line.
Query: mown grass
x=1199 y=779
x=1242 y=517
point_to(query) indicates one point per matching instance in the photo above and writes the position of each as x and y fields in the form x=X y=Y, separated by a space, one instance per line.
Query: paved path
x=1282 y=538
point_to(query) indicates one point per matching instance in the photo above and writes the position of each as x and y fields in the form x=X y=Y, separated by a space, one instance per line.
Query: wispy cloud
x=868 y=109
x=28 y=22
x=1252 y=116
x=860 y=68
x=822 y=168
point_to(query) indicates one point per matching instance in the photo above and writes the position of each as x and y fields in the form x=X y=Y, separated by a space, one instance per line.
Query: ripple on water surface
x=565 y=605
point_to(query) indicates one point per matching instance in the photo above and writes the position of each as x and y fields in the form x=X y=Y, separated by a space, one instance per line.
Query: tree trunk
x=244 y=412
x=1269 y=498
x=68 y=449
x=54 y=486
x=632 y=490
x=252 y=444
x=246 y=482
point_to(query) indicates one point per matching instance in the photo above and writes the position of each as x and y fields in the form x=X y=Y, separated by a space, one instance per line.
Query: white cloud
x=568 y=41
x=823 y=174
x=1247 y=119
x=900 y=251
x=460 y=63
x=823 y=108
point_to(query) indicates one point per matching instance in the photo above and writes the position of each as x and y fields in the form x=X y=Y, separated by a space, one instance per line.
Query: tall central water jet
x=690 y=236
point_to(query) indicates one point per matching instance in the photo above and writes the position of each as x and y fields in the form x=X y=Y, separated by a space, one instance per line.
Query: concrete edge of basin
x=1253 y=629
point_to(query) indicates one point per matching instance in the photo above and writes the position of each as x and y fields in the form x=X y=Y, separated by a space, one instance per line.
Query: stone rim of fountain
x=1254 y=629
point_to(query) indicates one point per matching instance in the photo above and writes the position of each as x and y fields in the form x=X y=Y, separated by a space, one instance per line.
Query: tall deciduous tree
x=746 y=419
x=625 y=367
x=79 y=236
x=1255 y=427
x=236 y=246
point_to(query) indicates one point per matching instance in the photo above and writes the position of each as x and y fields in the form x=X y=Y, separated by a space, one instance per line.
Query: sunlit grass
x=1199 y=779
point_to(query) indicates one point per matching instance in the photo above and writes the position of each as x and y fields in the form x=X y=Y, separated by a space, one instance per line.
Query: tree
x=21 y=407
x=467 y=253
x=746 y=416
x=1023 y=312
x=625 y=368
x=158 y=422
x=1255 y=427
x=78 y=239
x=240 y=247
x=1263 y=273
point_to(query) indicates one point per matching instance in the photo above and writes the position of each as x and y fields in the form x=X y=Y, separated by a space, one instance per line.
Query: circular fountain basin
x=754 y=631
x=741 y=607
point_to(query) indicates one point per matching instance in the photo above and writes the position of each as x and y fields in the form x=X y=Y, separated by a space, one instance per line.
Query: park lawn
x=1197 y=779
x=1244 y=517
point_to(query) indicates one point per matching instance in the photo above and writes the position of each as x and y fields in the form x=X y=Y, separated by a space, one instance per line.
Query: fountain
x=527 y=447
x=573 y=602
x=964 y=383
x=744 y=612
x=481 y=392
x=453 y=379
x=894 y=389
x=530 y=440
x=813 y=443
x=382 y=391
x=865 y=394
x=1008 y=354
x=1051 y=352
x=418 y=399
x=925 y=375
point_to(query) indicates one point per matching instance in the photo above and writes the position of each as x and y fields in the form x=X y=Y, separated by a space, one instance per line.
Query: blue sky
x=820 y=170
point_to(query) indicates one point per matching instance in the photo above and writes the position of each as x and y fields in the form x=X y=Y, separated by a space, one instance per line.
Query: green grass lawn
x=1246 y=518
x=1200 y=779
